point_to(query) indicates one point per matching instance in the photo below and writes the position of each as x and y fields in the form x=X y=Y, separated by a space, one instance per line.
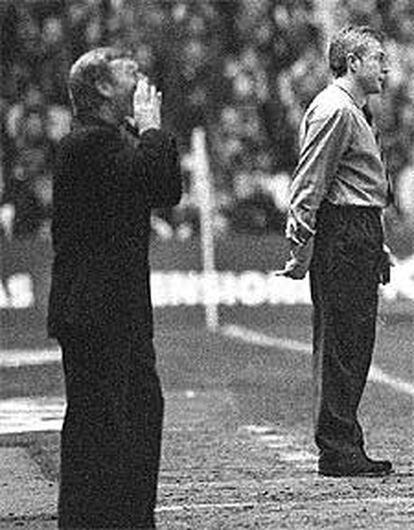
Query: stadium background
x=238 y=449
x=242 y=70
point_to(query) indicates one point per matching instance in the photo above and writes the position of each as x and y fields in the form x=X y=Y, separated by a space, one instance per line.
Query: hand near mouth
x=147 y=105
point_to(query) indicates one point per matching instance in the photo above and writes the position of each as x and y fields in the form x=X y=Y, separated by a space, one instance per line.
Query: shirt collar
x=340 y=84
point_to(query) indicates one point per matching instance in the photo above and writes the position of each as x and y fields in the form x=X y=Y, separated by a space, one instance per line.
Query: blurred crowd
x=241 y=69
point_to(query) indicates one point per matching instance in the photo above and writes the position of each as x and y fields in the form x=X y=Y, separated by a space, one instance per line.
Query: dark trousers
x=111 y=437
x=344 y=287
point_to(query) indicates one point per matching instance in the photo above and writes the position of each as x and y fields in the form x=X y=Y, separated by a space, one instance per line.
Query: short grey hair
x=90 y=68
x=351 y=39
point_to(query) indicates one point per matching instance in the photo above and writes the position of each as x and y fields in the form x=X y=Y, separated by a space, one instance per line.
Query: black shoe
x=353 y=466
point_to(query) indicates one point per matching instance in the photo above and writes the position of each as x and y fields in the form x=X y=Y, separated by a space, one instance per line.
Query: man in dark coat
x=111 y=169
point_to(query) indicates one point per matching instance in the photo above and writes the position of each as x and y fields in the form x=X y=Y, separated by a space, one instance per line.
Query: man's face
x=125 y=77
x=372 y=69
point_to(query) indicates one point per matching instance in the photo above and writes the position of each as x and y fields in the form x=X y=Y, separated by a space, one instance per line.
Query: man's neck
x=353 y=89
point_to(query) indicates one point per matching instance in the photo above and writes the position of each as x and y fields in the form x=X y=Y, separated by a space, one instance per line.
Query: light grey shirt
x=339 y=161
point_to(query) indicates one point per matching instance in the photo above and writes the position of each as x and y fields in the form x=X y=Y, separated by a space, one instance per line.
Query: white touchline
x=16 y=358
x=339 y=503
x=261 y=339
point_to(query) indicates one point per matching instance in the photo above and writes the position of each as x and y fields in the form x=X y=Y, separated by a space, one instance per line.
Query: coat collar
x=91 y=120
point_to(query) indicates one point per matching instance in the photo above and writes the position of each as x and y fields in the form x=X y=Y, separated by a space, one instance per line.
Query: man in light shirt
x=334 y=225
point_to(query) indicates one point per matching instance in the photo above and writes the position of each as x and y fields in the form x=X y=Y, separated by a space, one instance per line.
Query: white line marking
x=201 y=506
x=19 y=357
x=286 y=505
x=18 y=415
x=219 y=484
x=404 y=387
x=258 y=429
x=286 y=446
x=268 y=341
x=301 y=457
x=16 y=358
x=261 y=339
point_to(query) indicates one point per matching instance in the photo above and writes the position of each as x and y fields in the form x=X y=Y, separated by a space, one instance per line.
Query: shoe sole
x=366 y=474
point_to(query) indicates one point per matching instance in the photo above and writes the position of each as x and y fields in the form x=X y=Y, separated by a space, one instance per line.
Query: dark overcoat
x=105 y=185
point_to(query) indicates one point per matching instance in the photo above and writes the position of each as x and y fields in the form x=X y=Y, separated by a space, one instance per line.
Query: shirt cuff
x=298 y=231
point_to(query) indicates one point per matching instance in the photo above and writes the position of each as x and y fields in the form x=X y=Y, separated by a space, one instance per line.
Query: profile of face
x=119 y=93
x=371 y=68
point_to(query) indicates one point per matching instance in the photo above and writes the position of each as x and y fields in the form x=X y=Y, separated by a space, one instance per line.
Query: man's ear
x=352 y=61
x=105 y=88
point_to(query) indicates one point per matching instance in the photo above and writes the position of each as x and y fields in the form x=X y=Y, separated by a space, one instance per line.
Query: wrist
x=147 y=120
x=147 y=126
x=131 y=126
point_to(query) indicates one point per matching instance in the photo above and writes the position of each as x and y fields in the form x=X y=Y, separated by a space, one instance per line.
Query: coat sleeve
x=158 y=153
